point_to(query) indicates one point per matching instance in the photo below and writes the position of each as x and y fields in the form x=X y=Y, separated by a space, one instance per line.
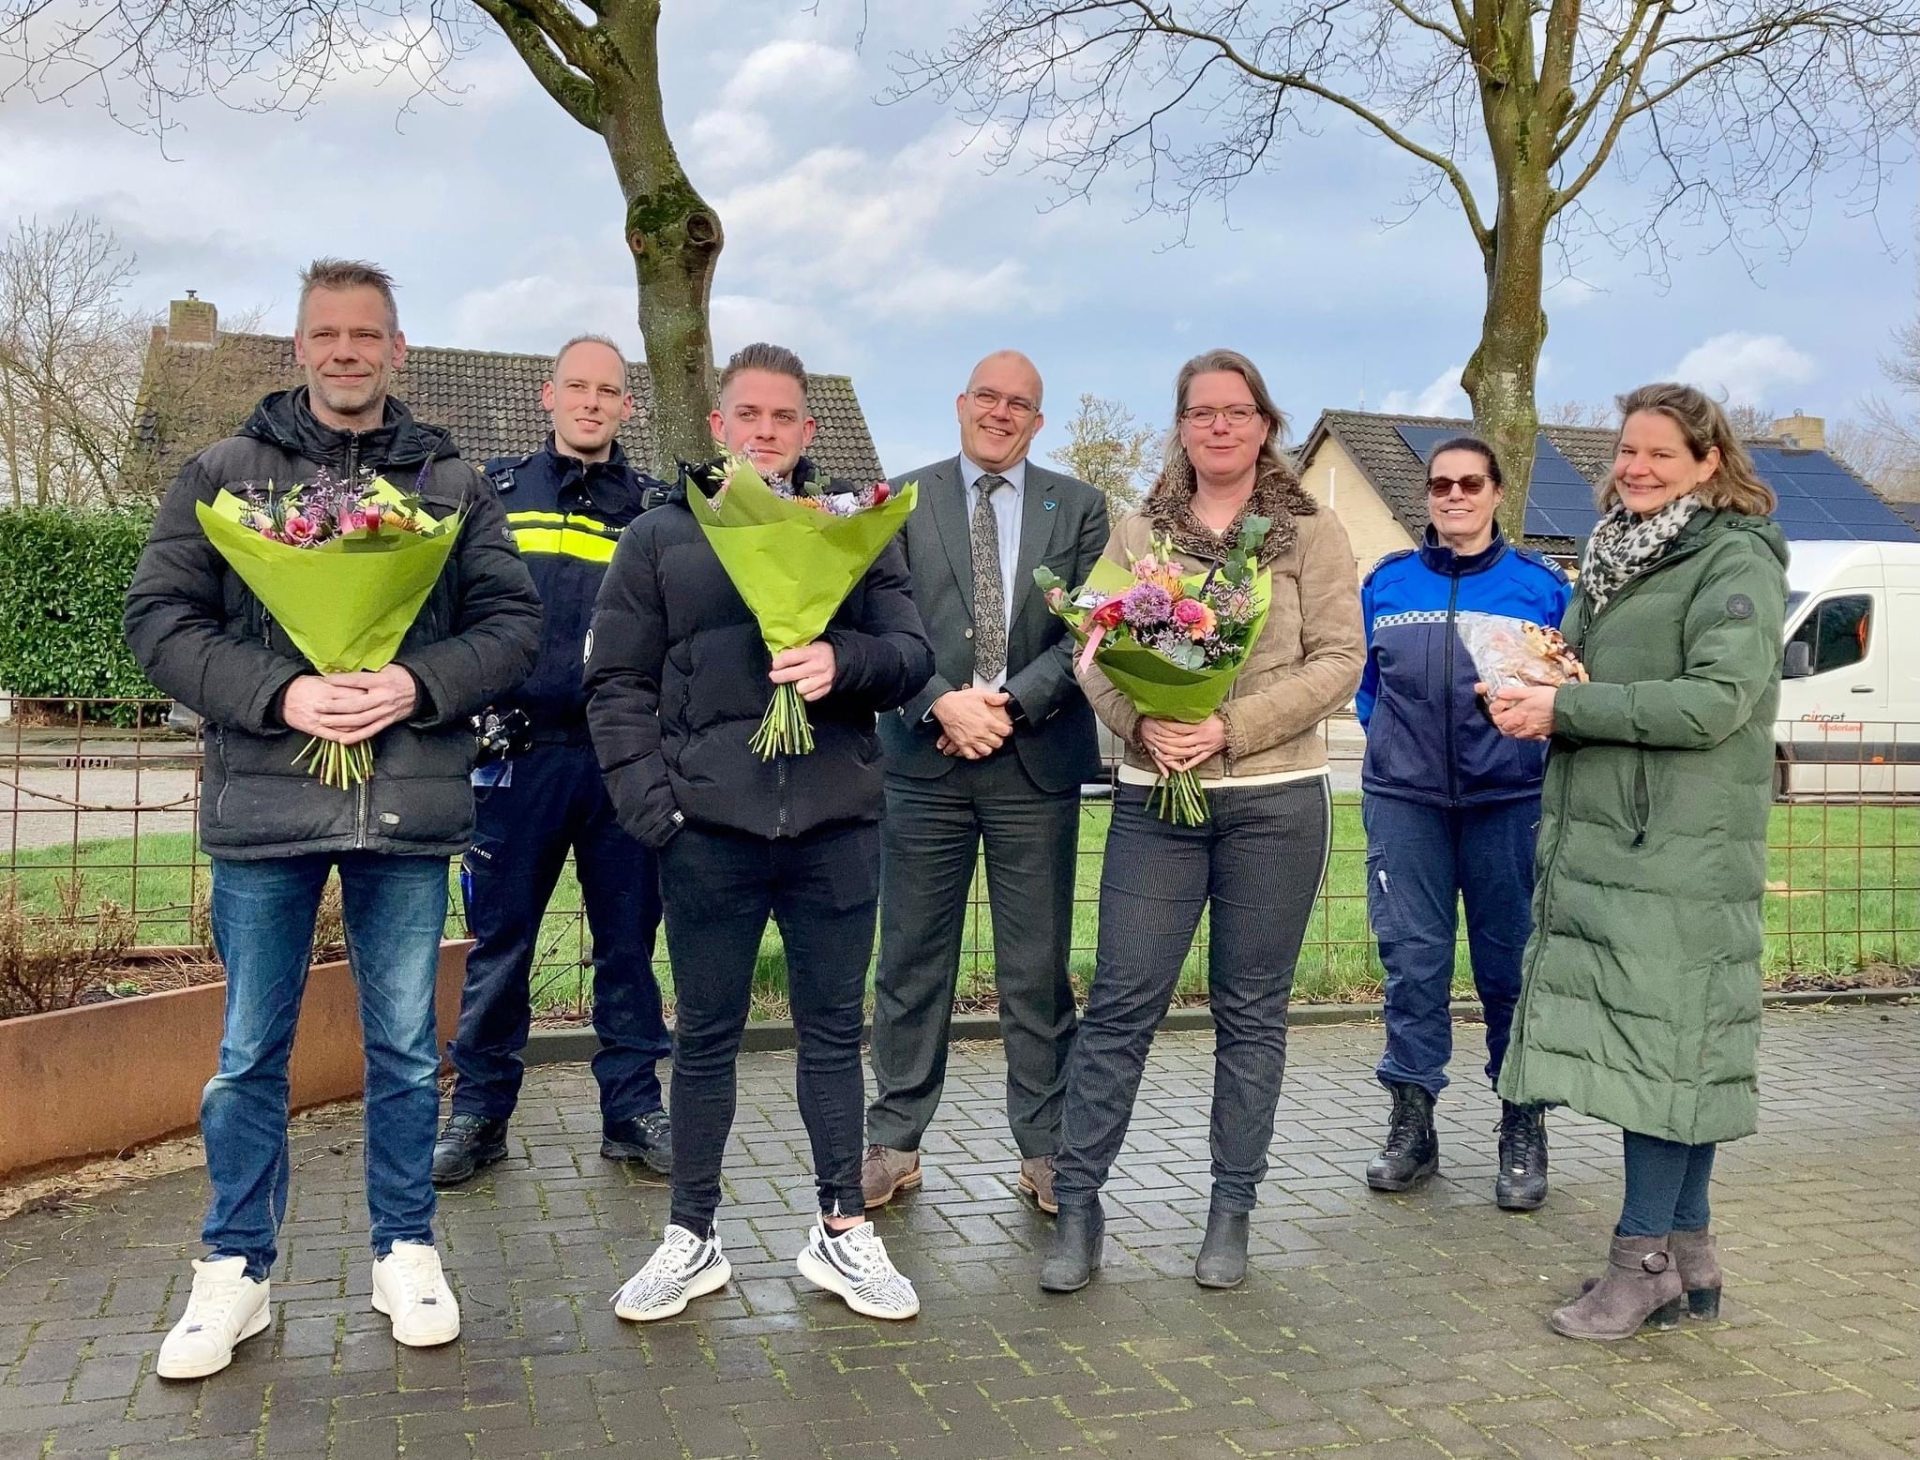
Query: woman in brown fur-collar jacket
x=1260 y=856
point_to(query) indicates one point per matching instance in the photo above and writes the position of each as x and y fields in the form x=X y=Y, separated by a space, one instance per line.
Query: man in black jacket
x=677 y=682
x=567 y=504
x=274 y=832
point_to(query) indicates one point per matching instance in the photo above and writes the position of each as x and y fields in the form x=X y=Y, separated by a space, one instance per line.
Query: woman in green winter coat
x=1640 y=1001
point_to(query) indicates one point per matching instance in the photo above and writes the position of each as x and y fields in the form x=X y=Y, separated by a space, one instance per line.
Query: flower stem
x=785 y=729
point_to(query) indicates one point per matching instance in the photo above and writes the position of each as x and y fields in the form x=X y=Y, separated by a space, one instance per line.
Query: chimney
x=192 y=321
x=1804 y=432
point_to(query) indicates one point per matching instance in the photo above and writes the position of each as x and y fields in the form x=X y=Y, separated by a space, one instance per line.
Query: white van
x=1849 y=725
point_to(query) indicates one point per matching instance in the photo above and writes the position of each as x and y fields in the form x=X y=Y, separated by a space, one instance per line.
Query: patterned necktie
x=989 y=592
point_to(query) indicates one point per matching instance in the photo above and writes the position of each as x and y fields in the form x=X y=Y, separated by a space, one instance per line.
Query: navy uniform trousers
x=555 y=799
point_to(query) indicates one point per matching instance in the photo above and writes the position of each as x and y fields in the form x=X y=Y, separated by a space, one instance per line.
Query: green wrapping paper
x=794 y=565
x=346 y=603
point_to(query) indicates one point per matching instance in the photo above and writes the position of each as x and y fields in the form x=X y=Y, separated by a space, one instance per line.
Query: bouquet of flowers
x=1512 y=651
x=1172 y=643
x=344 y=568
x=794 y=556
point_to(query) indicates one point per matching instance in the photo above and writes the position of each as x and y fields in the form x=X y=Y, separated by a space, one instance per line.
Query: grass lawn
x=1844 y=893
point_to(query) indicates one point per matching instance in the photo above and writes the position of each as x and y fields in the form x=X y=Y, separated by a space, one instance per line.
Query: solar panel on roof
x=1819 y=498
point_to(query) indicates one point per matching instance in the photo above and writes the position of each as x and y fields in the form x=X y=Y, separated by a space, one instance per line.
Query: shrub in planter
x=58 y=962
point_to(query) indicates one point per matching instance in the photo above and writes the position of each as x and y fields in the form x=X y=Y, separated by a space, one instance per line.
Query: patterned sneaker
x=226 y=1306
x=682 y=1268
x=855 y=1266
x=410 y=1288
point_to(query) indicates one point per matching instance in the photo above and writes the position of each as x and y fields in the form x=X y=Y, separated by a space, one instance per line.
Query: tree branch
x=560 y=78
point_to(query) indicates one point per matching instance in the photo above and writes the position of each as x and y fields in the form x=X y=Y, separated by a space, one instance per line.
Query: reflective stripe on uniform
x=561 y=519
x=572 y=542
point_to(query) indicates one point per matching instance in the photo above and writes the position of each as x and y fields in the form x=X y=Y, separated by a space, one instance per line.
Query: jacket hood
x=1717 y=522
x=285 y=420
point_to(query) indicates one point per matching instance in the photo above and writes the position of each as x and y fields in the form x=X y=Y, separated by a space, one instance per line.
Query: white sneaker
x=683 y=1267
x=226 y=1306
x=410 y=1288
x=855 y=1265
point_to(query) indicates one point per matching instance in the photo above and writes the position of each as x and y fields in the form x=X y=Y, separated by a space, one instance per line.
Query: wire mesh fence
x=98 y=803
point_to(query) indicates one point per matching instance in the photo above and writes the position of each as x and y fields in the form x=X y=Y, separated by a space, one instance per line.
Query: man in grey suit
x=992 y=752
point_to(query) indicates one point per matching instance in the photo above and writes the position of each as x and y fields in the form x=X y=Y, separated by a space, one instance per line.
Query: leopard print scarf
x=1624 y=546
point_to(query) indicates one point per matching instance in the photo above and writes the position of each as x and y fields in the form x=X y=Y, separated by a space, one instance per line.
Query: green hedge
x=63 y=580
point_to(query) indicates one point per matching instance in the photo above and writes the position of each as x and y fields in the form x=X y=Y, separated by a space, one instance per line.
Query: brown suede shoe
x=1036 y=1180
x=885 y=1173
x=1640 y=1288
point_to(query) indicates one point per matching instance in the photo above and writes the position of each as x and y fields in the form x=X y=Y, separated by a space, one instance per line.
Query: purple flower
x=1147 y=604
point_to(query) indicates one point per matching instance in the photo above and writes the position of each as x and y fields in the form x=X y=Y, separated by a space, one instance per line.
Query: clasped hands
x=1178 y=747
x=349 y=708
x=1524 y=712
x=974 y=722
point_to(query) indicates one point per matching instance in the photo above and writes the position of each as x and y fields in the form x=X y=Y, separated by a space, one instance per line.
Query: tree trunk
x=1500 y=375
x=674 y=237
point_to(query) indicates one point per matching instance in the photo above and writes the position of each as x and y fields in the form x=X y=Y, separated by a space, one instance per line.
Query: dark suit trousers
x=930 y=841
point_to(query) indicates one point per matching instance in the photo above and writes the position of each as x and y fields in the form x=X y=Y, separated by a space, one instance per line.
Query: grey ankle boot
x=1222 y=1262
x=1698 y=1262
x=1079 y=1233
x=1640 y=1288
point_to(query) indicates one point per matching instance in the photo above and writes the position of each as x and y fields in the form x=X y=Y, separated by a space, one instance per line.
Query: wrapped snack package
x=1512 y=651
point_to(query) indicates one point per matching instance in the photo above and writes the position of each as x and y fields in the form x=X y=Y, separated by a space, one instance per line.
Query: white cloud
x=1441 y=396
x=727 y=142
x=1746 y=369
x=536 y=312
x=780 y=65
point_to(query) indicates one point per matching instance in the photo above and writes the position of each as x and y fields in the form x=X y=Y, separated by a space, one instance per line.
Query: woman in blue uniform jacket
x=1451 y=807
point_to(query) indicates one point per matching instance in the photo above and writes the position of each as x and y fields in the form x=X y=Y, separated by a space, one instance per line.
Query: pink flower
x=300 y=529
x=1189 y=611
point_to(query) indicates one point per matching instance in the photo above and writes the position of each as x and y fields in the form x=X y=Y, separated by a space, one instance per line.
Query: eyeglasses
x=1205 y=416
x=1473 y=484
x=992 y=400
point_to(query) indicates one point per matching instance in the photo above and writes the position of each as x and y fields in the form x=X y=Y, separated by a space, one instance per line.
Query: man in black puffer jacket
x=274 y=832
x=678 y=679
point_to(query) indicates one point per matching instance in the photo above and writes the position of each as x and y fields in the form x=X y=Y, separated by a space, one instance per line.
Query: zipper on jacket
x=361 y=797
x=1453 y=601
x=780 y=799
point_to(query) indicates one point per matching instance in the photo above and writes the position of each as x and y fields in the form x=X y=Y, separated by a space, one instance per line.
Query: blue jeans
x=1256 y=865
x=263 y=913
x=1421 y=862
x=556 y=799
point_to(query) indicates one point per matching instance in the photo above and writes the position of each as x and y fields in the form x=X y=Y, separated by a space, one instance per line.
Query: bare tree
x=1107 y=449
x=598 y=60
x=69 y=362
x=1888 y=441
x=1722 y=110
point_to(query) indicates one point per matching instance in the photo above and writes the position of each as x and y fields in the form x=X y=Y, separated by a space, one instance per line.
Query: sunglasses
x=1473 y=484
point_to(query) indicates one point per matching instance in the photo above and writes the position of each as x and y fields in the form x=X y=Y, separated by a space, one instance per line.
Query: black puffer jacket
x=677 y=685
x=204 y=639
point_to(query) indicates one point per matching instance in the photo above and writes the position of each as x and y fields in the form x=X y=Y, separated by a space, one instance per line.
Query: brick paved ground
x=1374 y=1326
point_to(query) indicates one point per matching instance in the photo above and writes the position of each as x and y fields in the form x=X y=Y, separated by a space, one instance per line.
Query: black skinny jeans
x=1258 y=863
x=821 y=890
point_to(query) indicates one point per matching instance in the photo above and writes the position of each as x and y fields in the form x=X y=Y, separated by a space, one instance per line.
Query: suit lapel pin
x=1049 y=505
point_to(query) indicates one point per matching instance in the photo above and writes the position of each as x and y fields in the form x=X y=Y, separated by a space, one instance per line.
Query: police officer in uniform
x=566 y=505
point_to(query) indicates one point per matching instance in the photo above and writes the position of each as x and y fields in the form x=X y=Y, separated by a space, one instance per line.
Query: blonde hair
x=347 y=274
x=1735 y=485
x=1178 y=471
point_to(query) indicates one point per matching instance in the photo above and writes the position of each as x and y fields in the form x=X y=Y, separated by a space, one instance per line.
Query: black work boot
x=645 y=1138
x=1412 y=1151
x=1073 y=1256
x=1521 y=1184
x=467 y=1143
x=1222 y=1262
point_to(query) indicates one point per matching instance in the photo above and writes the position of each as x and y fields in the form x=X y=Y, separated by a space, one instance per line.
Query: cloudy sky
x=876 y=242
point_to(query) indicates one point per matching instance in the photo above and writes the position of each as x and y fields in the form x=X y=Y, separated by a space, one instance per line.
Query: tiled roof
x=490 y=400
